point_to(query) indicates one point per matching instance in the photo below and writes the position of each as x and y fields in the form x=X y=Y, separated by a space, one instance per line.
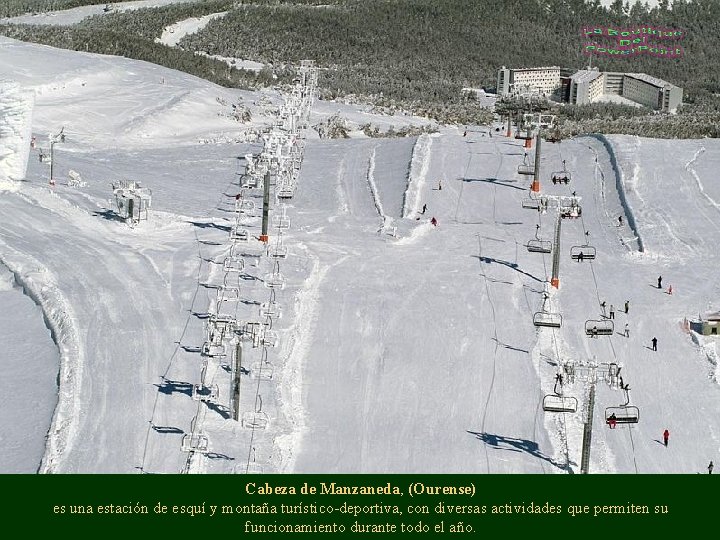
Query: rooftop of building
x=585 y=75
x=537 y=68
x=649 y=79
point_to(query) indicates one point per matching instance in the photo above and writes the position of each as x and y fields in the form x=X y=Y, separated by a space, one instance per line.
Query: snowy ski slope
x=403 y=347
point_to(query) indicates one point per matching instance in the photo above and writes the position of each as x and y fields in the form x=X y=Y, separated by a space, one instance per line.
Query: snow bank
x=629 y=215
x=41 y=286
x=16 y=107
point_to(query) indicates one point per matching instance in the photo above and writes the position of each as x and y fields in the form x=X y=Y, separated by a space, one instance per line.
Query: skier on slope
x=433 y=221
x=666 y=436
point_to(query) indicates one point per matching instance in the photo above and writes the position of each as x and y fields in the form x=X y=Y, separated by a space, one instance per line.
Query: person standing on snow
x=612 y=311
x=666 y=436
x=710 y=468
x=654 y=342
x=627 y=330
x=627 y=306
x=434 y=222
x=424 y=208
x=659 y=282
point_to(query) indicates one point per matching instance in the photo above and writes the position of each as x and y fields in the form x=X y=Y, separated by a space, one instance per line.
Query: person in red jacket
x=666 y=436
x=434 y=222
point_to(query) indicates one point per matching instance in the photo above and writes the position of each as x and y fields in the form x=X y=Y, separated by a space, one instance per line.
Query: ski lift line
x=200 y=414
x=495 y=351
x=174 y=353
x=612 y=347
x=495 y=354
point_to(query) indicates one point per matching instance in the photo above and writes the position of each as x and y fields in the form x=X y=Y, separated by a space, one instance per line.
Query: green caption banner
x=357 y=505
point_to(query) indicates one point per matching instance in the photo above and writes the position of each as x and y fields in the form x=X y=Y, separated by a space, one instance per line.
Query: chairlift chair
x=270 y=310
x=269 y=338
x=195 y=443
x=571 y=211
x=249 y=181
x=279 y=251
x=527 y=170
x=539 y=246
x=525 y=167
x=624 y=414
x=547 y=319
x=265 y=338
x=281 y=222
x=255 y=420
x=214 y=336
x=275 y=281
x=561 y=177
x=205 y=393
x=558 y=403
x=229 y=293
x=262 y=370
x=233 y=264
x=213 y=351
x=582 y=253
x=593 y=328
x=222 y=323
x=239 y=234
x=243 y=206
x=531 y=203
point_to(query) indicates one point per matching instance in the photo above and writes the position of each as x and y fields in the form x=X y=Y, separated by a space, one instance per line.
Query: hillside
x=416 y=55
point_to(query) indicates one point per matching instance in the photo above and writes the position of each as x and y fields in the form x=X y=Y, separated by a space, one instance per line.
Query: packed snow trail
x=425 y=347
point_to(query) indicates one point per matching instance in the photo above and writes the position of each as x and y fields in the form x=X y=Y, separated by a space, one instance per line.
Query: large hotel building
x=589 y=85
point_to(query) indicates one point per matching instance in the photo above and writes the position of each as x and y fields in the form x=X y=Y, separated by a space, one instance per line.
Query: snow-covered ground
x=72 y=16
x=29 y=360
x=403 y=347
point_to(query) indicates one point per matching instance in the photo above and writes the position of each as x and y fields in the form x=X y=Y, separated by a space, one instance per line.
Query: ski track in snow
x=690 y=167
x=300 y=336
x=417 y=177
